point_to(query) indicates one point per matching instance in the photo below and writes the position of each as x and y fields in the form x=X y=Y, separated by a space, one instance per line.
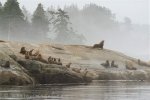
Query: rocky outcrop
x=15 y=74
x=86 y=65
x=23 y=71
x=9 y=77
x=52 y=73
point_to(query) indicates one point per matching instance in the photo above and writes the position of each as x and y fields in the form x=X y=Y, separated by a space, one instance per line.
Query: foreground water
x=98 y=90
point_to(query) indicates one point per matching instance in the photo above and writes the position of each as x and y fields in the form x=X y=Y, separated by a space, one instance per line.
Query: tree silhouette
x=92 y=19
x=128 y=24
x=127 y=21
x=61 y=26
x=0 y=17
x=0 y=5
x=40 y=23
x=13 y=18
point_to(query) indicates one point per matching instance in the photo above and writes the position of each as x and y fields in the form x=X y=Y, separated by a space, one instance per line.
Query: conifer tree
x=13 y=18
x=64 y=30
x=40 y=24
x=61 y=26
x=0 y=5
x=0 y=17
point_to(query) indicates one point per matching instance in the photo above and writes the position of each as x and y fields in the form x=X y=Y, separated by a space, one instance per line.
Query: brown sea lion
x=6 y=65
x=106 y=64
x=113 y=64
x=59 y=62
x=23 y=50
x=100 y=45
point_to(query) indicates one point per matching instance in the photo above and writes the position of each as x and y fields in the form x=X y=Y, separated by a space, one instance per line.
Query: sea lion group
x=37 y=56
x=128 y=65
x=51 y=60
x=77 y=70
x=108 y=65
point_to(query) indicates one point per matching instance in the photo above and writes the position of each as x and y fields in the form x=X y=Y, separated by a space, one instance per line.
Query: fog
x=123 y=24
x=130 y=8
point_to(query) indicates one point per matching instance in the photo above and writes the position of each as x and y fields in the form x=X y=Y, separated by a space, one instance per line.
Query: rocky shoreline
x=35 y=72
x=29 y=72
x=24 y=72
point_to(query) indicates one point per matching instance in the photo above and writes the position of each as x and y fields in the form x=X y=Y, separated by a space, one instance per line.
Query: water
x=98 y=90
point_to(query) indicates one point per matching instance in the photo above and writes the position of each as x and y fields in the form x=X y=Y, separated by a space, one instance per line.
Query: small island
x=59 y=63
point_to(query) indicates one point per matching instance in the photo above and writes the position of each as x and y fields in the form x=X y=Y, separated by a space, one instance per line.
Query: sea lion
x=106 y=64
x=23 y=50
x=68 y=65
x=59 y=62
x=113 y=64
x=6 y=65
x=100 y=45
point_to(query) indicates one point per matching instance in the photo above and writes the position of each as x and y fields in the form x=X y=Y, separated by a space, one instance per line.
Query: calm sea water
x=98 y=90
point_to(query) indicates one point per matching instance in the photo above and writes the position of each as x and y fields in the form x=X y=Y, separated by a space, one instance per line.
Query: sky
x=137 y=10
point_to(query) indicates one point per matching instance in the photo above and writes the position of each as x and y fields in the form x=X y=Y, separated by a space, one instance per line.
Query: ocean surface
x=97 y=90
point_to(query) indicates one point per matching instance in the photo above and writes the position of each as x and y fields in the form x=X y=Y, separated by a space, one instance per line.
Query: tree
x=61 y=26
x=128 y=23
x=27 y=24
x=40 y=23
x=11 y=8
x=0 y=5
x=75 y=38
x=1 y=10
x=0 y=17
x=65 y=33
x=92 y=19
x=13 y=18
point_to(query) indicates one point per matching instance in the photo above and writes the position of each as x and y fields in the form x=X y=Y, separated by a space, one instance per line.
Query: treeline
x=60 y=25
x=93 y=17
x=96 y=19
x=15 y=24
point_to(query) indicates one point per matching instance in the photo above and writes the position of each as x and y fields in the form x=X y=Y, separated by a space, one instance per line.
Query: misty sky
x=137 y=10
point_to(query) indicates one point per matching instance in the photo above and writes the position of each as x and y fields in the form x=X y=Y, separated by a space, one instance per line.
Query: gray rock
x=15 y=74
x=51 y=73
